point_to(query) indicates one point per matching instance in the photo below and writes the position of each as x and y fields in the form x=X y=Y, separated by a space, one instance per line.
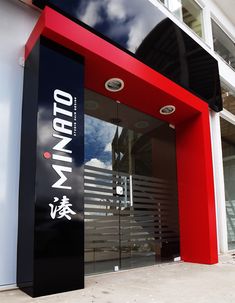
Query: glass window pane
x=175 y=7
x=228 y=147
x=223 y=45
x=189 y=12
x=192 y=16
x=228 y=98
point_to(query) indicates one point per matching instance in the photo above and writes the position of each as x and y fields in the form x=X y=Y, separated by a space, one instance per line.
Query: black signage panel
x=51 y=216
x=141 y=29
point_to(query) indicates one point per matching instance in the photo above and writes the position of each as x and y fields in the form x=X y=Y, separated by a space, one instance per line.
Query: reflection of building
x=150 y=153
x=145 y=150
x=130 y=154
x=169 y=50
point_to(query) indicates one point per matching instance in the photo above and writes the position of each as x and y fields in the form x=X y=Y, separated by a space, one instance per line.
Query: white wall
x=16 y=23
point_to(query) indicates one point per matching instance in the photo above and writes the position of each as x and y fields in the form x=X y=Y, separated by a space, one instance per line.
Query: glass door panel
x=149 y=221
x=131 y=210
x=102 y=241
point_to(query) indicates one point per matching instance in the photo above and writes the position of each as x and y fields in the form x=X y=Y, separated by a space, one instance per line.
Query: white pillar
x=219 y=182
x=207 y=26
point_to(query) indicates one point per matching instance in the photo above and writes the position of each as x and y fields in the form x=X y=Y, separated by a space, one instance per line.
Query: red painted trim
x=68 y=33
x=196 y=191
x=147 y=91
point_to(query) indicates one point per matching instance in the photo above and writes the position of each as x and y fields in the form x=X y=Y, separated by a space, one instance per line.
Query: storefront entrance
x=131 y=205
x=125 y=188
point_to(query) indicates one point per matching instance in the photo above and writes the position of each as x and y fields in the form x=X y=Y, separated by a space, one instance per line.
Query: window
x=192 y=16
x=228 y=149
x=223 y=45
x=228 y=99
x=189 y=12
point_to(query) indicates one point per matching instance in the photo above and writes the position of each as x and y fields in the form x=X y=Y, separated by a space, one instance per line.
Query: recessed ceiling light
x=114 y=85
x=167 y=110
x=141 y=124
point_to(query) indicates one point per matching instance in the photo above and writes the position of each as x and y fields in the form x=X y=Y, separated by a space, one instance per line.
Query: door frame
x=147 y=90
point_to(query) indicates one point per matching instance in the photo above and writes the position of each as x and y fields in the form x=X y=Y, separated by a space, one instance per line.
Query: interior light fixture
x=167 y=110
x=114 y=85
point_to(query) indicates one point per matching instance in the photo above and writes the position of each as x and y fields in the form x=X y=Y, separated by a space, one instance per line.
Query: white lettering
x=58 y=110
x=60 y=169
x=63 y=97
x=62 y=143
x=62 y=126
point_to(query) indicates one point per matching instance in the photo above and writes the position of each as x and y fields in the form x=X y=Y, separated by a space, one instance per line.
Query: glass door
x=149 y=213
x=102 y=241
x=131 y=210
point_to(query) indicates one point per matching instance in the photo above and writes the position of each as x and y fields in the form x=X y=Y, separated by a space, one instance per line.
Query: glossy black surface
x=51 y=249
x=25 y=251
x=141 y=29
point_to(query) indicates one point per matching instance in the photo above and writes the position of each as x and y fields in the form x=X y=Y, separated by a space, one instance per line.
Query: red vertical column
x=196 y=191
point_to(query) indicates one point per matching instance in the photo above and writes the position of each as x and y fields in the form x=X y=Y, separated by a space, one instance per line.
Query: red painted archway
x=147 y=91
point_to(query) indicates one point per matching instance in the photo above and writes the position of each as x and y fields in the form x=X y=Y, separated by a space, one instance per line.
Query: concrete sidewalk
x=166 y=283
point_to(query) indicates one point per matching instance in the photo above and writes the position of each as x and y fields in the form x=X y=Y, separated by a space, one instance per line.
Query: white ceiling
x=228 y=8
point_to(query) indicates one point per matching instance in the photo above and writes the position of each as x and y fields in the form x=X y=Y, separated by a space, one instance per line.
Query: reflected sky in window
x=98 y=139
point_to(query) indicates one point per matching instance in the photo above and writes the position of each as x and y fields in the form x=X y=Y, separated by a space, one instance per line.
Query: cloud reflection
x=98 y=138
x=134 y=19
x=91 y=15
